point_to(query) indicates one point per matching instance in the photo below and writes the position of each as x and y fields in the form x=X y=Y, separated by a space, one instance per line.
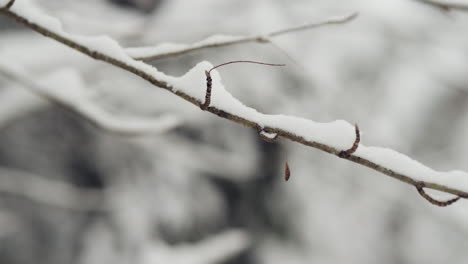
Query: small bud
x=287 y=172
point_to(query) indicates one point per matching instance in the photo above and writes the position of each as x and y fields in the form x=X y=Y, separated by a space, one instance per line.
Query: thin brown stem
x=245 y=61
x=433 y=201
x=9 y=4
x=347 y=153
x=207 y=102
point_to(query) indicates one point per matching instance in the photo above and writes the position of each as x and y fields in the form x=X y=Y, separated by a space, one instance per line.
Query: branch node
x=266 y=136
x=347 y=153
x=420 y=187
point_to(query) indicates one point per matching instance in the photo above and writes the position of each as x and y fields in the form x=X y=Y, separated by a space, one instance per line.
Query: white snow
x=338 y=134
x=164 y=48
x=268 y=135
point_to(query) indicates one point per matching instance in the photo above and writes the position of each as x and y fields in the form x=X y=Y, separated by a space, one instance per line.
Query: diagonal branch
x=447 y=5
x=329 y=137
x=168 y=50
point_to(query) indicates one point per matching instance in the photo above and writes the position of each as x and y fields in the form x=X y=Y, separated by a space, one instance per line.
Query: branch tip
x=207 y=102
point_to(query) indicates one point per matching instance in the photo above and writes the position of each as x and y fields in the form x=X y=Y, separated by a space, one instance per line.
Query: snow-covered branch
x=333 y=137
x=173 y=49
x=74 y=98
x=447 y=5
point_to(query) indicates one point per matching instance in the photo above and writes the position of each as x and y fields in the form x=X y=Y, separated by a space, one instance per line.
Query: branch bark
x=287 y=133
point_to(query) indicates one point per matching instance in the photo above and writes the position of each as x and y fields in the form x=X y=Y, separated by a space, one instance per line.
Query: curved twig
x=209 y=83
x=420 y=188
x=347 y=153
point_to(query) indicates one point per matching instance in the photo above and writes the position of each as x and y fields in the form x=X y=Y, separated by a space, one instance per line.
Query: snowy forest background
x=209 y=190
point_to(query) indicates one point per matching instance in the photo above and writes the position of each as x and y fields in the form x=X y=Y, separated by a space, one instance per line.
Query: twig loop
x=420 y=188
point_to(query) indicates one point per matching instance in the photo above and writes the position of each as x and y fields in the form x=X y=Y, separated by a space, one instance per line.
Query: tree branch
x=169 y=50
x=331 y=137
x=447 y=5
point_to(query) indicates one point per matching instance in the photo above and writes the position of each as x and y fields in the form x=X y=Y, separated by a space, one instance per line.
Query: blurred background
x=211 y=191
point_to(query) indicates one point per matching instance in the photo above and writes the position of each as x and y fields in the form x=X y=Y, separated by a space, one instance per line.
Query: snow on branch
x=165 y=50
x=447 y=5
x=333 y=137
x=73 y=98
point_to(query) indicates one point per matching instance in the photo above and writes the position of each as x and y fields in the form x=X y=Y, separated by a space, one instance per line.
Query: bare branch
x=159 y=51
x=364 y=155
x=447 y=5
x=92 y=113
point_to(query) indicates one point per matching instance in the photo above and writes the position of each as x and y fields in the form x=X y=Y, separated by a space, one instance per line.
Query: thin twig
x=286 y=133
x=245 y=61
x=420 y=188
x=9 y=4
x=209 y=84
x=207 y=102
x=446 y=5
x=260 y=38
x=347 y=153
